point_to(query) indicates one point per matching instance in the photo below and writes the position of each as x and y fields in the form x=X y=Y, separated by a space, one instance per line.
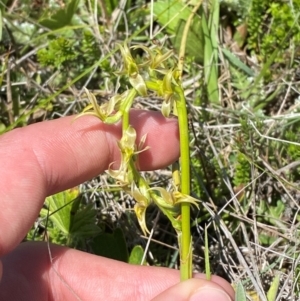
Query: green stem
x=125 y=108
x=185 y=237
x=185 y=35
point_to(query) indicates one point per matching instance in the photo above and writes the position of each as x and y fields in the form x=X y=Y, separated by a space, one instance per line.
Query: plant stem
x=185 y=237
x=126 y=108
x=184 y=37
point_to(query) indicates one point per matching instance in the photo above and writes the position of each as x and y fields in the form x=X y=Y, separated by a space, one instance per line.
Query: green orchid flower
x=169 y=204
x=166 y=89
x=142 y=203
x=108 y=112
x=169 y=200
x=125 y=175
x=169 y=94
x=156 y=59
x=132 y=70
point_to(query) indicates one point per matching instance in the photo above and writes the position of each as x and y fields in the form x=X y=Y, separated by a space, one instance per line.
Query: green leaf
x=174 y=16
x=83 y=222
x=272 y=292
x=62 y=17
x=76 y=222
x=240 y=293
x=111 y=5
x=266 y=240
x=111 y=245
x=171 y=14
x=136 y=255
x=206 y=257
x=1 y=23
x=235 y=61
x=2 y=128
x=211 y=54
x=277 y=210
x=60 y=209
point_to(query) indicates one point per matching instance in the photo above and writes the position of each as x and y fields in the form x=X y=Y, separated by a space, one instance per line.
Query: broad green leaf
x=83 y=222
x=173 y=16
x=213 y=23
x=240 y=293
x=210 y=56
x=170 y=14
x=75 y=221
x=111 y=245
x=62 y=17
x=60 y=209
x=136 y=255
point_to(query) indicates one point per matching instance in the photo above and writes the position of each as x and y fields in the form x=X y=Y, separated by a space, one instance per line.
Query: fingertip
x=209 y=293
x=218 y=280
x=194 y=290
x=162 y=139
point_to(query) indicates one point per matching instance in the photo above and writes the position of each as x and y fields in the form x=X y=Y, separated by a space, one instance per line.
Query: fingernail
x=209 y=294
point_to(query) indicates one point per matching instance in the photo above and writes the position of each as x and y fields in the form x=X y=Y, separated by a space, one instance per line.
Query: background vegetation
x=242 y=82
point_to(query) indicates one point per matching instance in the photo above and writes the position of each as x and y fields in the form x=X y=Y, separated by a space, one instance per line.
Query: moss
x=273 y=25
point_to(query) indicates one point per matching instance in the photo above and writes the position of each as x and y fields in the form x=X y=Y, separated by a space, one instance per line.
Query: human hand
x=48 y=157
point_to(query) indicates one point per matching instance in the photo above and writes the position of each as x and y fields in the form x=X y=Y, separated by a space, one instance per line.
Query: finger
x=194 y=290
x=75 y=275
x=219 y=281
x=51 y=156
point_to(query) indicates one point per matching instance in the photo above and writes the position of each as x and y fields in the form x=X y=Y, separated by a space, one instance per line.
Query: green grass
x=243 y=118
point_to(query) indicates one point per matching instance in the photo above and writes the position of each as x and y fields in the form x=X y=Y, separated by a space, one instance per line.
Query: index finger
x=51 y=156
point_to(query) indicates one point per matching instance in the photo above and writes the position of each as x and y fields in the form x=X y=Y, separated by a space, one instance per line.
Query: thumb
x=194 y=290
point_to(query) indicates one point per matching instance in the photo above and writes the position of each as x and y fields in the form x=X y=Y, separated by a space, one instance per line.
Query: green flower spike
x=105 y=111
x=127 y=176
x=132 y=70
x=124 y=175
